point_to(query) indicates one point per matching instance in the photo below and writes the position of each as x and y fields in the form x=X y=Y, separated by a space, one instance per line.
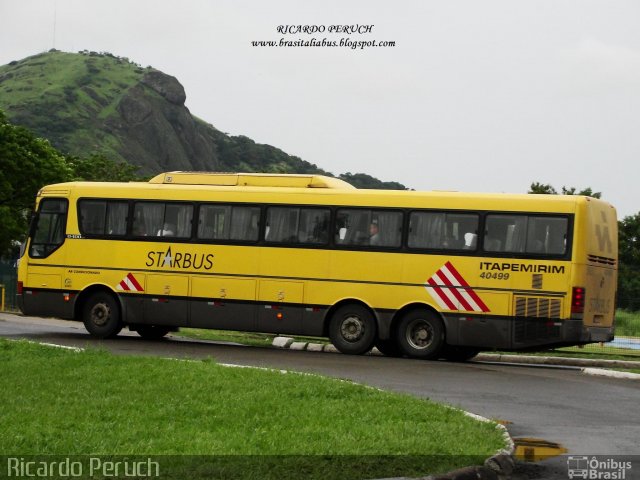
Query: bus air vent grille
x=602 y=260
x=532 y=324
x=537 y=307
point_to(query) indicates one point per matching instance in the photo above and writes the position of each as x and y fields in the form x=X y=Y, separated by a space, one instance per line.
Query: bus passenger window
x=378 y=228
x=282 y=224
x=157 y=219
x=505 y=233
x=244 y=223
x=443 y=230
x=547 y=235
x=314 y=226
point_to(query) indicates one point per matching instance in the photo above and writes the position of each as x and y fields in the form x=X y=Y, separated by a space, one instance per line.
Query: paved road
x=588 y=415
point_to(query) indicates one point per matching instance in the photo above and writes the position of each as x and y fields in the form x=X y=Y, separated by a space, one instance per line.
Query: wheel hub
x=352 y=328
x=100 y=314
x=420 y=334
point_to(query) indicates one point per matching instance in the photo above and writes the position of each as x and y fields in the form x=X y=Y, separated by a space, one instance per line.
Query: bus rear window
x=49 y=228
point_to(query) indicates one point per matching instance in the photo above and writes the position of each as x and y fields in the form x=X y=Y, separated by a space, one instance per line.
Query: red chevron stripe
x=441 y=294
x=468 y=288
x=135 y=283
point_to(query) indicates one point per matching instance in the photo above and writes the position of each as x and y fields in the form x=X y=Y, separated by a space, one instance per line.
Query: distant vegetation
x=96 y=103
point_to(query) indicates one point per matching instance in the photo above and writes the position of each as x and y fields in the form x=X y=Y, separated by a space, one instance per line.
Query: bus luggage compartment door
x=166 y=303
x=280 y=306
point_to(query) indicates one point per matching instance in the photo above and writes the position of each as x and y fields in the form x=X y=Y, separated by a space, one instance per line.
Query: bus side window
x=314 y=226
x=244 y=223
x=282 y=225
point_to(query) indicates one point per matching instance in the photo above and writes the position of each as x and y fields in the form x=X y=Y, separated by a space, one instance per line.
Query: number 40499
x=494 y=275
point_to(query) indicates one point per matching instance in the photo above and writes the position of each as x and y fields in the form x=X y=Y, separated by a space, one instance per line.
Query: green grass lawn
x=627 y=323
x=61 y=402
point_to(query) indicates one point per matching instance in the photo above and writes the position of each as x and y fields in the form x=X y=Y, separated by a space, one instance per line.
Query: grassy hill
x=90 y=102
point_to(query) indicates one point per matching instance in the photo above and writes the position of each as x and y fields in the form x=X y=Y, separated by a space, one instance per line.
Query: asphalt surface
x=587 y=415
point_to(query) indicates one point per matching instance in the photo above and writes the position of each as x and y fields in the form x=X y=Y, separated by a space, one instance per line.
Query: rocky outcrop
x=157 y=129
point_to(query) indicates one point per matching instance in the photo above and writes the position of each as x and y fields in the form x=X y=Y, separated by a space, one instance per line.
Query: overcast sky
x=474 y=96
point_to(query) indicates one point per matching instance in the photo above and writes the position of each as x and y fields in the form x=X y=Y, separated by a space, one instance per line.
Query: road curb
x=551 y=360
x=589 y=366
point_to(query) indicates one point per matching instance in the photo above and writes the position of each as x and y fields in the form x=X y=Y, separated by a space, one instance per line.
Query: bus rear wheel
x=352 y=329
x=420 y=334
x=101 y=315
x=152 y=332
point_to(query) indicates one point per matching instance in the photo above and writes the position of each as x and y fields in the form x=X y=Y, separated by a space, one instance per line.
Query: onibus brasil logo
x=597 y=468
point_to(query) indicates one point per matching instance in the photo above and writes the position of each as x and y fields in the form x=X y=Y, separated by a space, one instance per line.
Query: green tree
x=362 y=180
x=27 y=164
x=98 y=168
x=543 y=188
x=629 y=261
x=537 y=187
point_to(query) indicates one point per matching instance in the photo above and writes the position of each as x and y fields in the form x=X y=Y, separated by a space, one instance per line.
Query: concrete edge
x=552 y=360
x=601 y=372
x=589 y=366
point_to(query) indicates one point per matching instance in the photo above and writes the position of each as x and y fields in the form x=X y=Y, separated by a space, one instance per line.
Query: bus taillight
x=577 y=300
x=19 y=288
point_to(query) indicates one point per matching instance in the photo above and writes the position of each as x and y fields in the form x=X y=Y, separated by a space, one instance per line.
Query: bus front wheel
x=352 y=329
x=101 y=315
x=420 y=334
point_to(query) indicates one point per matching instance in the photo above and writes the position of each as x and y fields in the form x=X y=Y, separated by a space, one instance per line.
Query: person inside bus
x=374 y=233
x=168 y=230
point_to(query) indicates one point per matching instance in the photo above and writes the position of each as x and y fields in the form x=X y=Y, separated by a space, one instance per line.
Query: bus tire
x=152 y=332
x=389 y=348
x=353 y=329
x=459 y=354
x=420 y=334
x=101 y=315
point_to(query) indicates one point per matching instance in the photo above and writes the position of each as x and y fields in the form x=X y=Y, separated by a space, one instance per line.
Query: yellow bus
x=419 y=274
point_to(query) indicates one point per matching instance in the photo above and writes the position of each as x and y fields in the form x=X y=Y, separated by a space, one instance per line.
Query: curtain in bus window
x=356 y=223
x=547 y=235
x=505 y=233
x=117 y=218
x=244 y=223
x=314 y=226
x=214 y=222
x=148 y=219
x=92 y=215
x=426 y=230
x=282 y=225
x=389 y=228
x=177 y=220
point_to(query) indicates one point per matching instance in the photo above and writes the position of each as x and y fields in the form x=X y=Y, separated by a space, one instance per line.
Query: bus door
x=42 y=289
